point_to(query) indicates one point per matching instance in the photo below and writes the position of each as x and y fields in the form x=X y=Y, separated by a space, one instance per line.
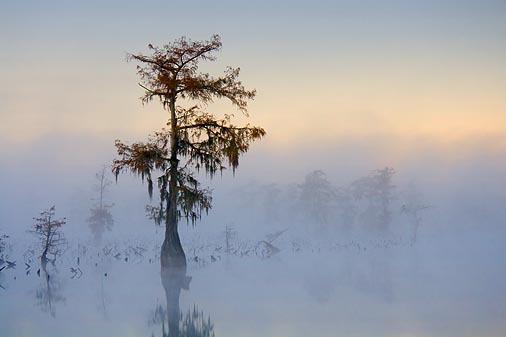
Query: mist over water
x=289 y=248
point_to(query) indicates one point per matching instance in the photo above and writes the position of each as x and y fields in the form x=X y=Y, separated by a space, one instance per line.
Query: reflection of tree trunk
x=173 y=280
x=415 y=228
x=43 y=263
x=102 y=296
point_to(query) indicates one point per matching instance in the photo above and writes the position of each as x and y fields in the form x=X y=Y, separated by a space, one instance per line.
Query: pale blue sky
x=380 y=58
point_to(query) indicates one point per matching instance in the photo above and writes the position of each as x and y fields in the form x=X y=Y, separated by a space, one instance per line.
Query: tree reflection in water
x=174 y=323
x=50 y=292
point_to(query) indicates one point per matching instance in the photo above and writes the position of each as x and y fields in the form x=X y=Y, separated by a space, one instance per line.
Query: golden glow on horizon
x=405 y=101
x=286 y=123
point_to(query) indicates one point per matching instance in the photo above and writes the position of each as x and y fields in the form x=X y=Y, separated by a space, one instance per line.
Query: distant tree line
x=368 y=204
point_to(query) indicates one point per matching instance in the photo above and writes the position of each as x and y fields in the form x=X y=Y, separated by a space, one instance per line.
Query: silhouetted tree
x=317 y=198
x=412 y=208
x=48 y=230
x=378 y=192
x=100 y=218
x=230 y=235
x=194 y=140
x=3 y=258
x=3 y=245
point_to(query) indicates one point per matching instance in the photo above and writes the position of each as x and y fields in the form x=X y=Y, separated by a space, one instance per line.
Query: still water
x=449 y=285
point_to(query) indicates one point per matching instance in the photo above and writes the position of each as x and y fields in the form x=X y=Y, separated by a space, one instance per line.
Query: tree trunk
x=43 y=259
x=172 y=253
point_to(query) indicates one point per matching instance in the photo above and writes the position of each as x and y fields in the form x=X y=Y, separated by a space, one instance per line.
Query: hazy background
x=343 y=86
x=346 y=87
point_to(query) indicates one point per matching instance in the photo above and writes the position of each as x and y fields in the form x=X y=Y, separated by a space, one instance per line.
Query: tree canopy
x=194 y=139
x=48 y=230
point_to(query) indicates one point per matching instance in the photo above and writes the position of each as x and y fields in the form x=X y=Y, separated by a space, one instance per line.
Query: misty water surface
x=268 y=264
